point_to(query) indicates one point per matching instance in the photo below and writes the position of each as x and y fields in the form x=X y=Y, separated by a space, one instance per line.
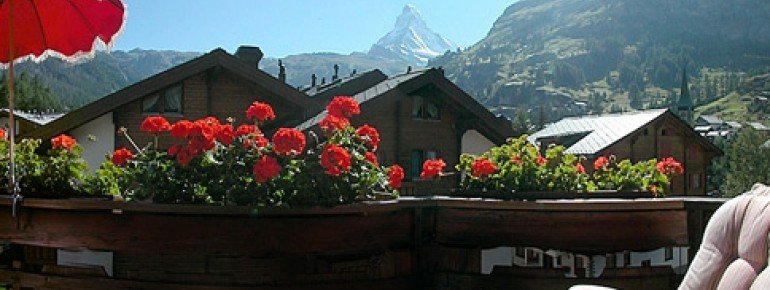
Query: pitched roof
x=216 y=58
x=497 y=129
x=605 y=130
x=34 y=117
x=345 y=86
x=711 y=119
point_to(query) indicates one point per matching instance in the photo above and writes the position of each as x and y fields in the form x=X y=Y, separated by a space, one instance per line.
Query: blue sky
x=284 y=27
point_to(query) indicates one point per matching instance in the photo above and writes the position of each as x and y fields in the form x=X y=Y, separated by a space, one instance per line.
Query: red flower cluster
x=541 y=160
x=369 y=156
x=155 y=125
x=260 y=112
x=332 y=123
x=121 y=156
x=201 y=136
x=2 y=134
x=601 y=162
x=432 y=168
x=515 y=159
x=266 y=169
x=482 y=167
x=580 y=168
x=335 y=159
x=288 y=141
x=669 y=166
x=370 y=135
x=395 y=176
x=63 y=142
x=343 y=107
x=181 y=129
x=246 y=130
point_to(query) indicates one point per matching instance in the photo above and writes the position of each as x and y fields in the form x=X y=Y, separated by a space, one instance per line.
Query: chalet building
x=27 y=121
x=636 y=136
x=215 y=84
x=422 y=115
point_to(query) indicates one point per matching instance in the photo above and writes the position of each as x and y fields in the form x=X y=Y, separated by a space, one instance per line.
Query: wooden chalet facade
x=422 y=115
x=215 y=84
x=419 y=114
x=636 y=136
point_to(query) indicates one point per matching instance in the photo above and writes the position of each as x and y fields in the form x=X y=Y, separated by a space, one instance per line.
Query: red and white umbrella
x=67 y=29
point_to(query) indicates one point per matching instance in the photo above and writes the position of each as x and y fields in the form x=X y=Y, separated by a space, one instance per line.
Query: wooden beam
x=42 y=281
x=594 y=232
x=173 y=233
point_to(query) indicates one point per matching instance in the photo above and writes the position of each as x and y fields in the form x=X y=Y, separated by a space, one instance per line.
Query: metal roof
x=604 y=130
x=711 y=119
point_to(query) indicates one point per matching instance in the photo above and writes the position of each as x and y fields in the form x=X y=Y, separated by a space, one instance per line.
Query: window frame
x=424 y=154
x=161 y=102
x=424 y=103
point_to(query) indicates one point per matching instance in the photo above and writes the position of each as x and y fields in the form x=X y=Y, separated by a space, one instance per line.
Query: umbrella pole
x=14 y=185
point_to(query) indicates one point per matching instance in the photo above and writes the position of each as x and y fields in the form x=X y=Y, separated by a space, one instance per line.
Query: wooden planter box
x=412 y=243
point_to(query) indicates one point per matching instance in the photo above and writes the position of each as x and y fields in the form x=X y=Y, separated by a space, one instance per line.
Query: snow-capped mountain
x=411 y=40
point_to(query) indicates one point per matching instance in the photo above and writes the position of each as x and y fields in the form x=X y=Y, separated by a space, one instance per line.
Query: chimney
x=336 y=72
x=250 y=54
x=281 y=71
x=312 y=80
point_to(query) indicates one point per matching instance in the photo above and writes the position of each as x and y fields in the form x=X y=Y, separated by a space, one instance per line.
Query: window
x=423 y=108
x=168 y=101
x=695 y=181
x=417 y=159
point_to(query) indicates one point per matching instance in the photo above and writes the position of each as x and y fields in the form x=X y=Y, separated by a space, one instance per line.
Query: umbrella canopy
x=68 y=29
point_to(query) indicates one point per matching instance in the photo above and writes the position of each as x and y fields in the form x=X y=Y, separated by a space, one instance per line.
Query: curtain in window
x=173 y=98
x=151 y=104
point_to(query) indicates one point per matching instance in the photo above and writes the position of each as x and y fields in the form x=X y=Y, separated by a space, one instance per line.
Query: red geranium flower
x=260 y=112
x=2 y=134
x=63 y=142
x=369 y=134
x=541 y=160
x=225 y=134
x=395 y=176
x=369 y=156
x=155 y=125
x=121 y=156
x=266 y=169
x=184 y=156
x=579 y=168
x=332 y=123
x=181 y=129
x=601 y=162
x=432 y=168
x=482 y=167
x=343 y=107
x=246 y=129
x=288 y=141
x=335 y=159
x=174 y=149
x=669 y=166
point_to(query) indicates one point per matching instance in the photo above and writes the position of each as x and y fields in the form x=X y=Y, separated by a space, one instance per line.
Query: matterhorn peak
x=410 y=17
x=411 y=39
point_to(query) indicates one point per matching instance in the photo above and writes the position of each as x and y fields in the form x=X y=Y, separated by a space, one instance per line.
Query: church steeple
x=684 y=106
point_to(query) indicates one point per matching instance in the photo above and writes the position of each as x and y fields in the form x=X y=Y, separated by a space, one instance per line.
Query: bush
x=519 y=166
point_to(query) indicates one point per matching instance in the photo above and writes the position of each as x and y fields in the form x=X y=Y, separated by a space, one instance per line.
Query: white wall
x=97 y=138
x=475 y=143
